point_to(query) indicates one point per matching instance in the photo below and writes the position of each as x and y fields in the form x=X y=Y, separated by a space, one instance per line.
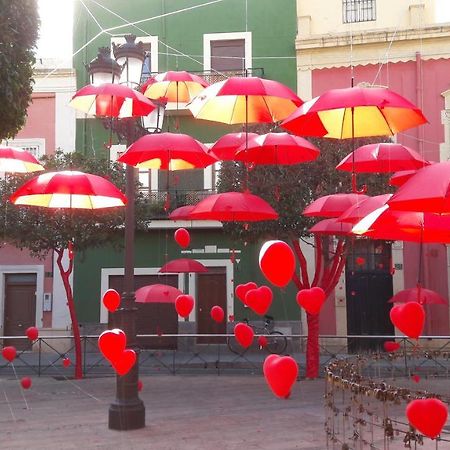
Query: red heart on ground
x=391 y=346
x=242 y=289
x=428 y=416
x=124 y=362
x=311 y=300
x=9 y=353
x=259 y=300
x=184 y=304
x=244 y=334
x=111 y=300
x=112 y=343
x=281 y=373
x=408 y=318
x=32 y=333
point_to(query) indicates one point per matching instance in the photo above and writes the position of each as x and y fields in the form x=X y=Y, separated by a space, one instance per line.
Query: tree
x=289 y=189
x=19 y=23
x=42 y=230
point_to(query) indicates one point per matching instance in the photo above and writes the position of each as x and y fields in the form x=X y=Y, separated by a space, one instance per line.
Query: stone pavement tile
x=185 y=412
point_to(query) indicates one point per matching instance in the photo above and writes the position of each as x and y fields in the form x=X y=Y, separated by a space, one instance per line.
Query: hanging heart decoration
x=32 y=333
x=428 y=416
x=184 y=304
x=280 y=373
x=9 y=353
x=217 y=314
x=244 y=334
x=408 y=318
x=311 y=300
x=124 y=362
x=242 y=289
x=259 y=300
x=182 y=237
x=111 y=300
x=391 y=346
x=277 y=262
x=25 y=382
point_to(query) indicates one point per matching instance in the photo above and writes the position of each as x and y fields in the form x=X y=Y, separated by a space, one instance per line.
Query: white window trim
x=14 y=269
x=104 y=284
x=28 y=142
x=207 y=38
x=152 y=40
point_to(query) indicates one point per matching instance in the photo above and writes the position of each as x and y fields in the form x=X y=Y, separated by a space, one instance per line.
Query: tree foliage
x=19 y=23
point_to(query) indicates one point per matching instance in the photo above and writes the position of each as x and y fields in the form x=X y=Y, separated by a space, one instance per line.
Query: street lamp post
x=127 y=411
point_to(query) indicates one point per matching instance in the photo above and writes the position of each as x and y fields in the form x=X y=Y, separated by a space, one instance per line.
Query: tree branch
x=303 y=263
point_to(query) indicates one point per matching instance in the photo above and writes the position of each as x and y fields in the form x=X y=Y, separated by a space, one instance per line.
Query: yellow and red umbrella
x=69 y=189
x=16 y=160
x=111 y=100
x=245 y=100
x=175 y=86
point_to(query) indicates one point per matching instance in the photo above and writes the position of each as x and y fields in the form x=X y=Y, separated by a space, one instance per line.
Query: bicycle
x=276 y=341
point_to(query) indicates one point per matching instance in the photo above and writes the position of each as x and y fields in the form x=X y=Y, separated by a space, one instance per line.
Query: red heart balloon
x=360 y=261
x=277 y=262
x=242 y=289
x=391 y=346
x=262 y=342
x=409 y=318
x=112 y=343
x=26 y=382
x=259 y=300
x=32 y=333
x=428 y=416
x=124 y=362
x=415 y=378
x=217 y=314
x=311 y=300
x=184 y=305
x=281 y=373
x=140 y=385
x=244 y=334
x=182 y=237
x=9 y=353
x=66 y=362
x=111 y=300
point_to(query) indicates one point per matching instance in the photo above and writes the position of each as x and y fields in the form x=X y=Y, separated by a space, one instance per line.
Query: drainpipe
x=419 y=101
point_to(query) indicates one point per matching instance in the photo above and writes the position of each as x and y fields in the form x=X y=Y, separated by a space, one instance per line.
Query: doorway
x=20 y=307
x=211 y=290
x=368 y=289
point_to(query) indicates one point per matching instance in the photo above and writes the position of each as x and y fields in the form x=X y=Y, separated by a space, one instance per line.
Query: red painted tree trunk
x=65 y=275
x=312 y=346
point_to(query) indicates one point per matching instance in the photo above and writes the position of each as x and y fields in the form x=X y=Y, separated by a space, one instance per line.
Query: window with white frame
x=358 y=11
x=35 y=146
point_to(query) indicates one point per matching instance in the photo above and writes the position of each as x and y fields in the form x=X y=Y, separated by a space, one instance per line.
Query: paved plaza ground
x=188 y=412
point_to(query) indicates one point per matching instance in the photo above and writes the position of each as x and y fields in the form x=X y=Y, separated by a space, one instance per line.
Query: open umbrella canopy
x=420 y=295
x=428 y=190
x=226 y=146
x=16 y=160
x=331 y=227
x=183 y=265
x=69 y=189
x=111 y=100
x=234 y=206
x=382 y=157
x=361 y=209
x=157 y=293
x=276 y=148
x=401 y=177
x=168 y=151
x=176 y=86
x=354 y=112
x=245 y=100
x=182 y=213
x=333 y=205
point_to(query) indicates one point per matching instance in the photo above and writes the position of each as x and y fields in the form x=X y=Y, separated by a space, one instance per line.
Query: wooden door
x=20 y=307
x=152 y=318
x=211 y=291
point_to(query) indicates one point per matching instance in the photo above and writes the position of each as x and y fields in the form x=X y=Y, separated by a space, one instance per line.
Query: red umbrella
x=354 y=112
x=182 y=213
x=157 y=293
x=226 y=146
x=234 y=206
x=176 y=86
x=381 y=157
x=183 y=265
x=361 y=209
x=428 y=190
x=277 y=148
x=333 y=205
x=245 y=100
x=418 y=294
x=17 y=160
x=401 y=177
x=69 y=189
x=331 y=227
x=111 y=100
x=168 y=151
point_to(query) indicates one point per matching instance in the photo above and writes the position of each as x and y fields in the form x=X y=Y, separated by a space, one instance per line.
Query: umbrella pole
x=246 y=143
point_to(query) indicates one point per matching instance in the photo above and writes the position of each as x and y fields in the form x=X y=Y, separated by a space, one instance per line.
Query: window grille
x=358 y=11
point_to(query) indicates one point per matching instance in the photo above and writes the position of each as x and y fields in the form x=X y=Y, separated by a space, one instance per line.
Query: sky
x=56 y=26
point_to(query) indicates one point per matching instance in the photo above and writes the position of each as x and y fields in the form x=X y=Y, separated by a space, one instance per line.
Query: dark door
x=20 y=307
x=368 y=289
x=211 y=291
x=152 y=318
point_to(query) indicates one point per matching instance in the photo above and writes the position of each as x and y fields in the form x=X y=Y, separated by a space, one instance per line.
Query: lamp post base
x=126 y=415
